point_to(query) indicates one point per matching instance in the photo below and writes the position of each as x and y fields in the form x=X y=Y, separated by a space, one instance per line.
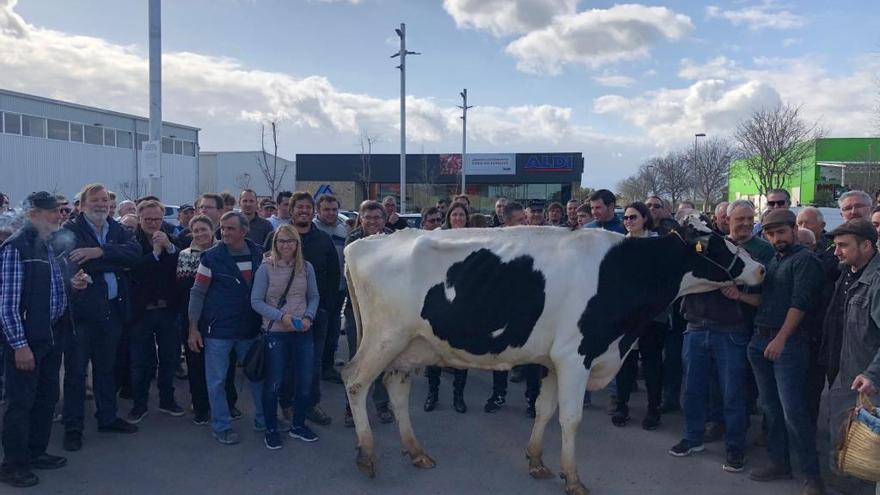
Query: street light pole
x=154 y=184
x=464 y=108
x=697 y=136
x=401 y=32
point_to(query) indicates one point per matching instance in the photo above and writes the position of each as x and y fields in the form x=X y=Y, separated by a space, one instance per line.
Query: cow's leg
x=572 y=378
x=545 y=407
x=399 y=384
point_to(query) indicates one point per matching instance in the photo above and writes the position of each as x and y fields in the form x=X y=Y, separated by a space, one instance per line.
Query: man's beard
x=97 y=218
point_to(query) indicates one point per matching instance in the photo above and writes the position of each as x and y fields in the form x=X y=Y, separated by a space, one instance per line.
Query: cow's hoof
x=422 y=461
x=366 y=464
x=540 y=472
x=576 y=488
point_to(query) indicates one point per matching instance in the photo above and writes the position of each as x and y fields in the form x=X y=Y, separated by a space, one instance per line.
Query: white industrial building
x=52 y=145
x=236 y=170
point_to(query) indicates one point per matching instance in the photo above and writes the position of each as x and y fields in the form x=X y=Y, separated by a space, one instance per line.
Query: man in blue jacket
x=105 y=251
x=221 y=317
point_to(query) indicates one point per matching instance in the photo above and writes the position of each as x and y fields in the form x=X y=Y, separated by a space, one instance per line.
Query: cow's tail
x=355 y=307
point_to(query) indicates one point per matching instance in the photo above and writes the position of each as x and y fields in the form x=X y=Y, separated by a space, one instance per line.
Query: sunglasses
x=630 y=218
x=776 y=203
x=66 y=211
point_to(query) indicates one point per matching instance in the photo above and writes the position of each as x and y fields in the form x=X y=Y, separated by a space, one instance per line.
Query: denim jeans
x=216 y=366
x=319 y=336
x=93 y=340
x=283 y=350
x=157 y=329
x=782 y=390
x=727 y=349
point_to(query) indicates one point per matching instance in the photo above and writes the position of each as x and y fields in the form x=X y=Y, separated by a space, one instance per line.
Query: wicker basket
x=859 y=449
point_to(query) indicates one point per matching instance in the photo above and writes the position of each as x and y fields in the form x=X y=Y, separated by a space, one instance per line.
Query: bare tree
x=674 y=177
x=365 y=174
x=634 y=188
x=272 y=171
x=711 y=167
x=774 y=143
x=243 y=181
x=130 y=191
x=581 y=193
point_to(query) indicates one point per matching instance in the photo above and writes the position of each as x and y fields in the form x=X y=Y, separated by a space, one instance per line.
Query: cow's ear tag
x=698 y=247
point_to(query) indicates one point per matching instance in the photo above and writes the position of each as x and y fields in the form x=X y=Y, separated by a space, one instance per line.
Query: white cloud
x=597 y=37
x=719 y=67
x=768 y=15
x=788 y=42
x=11 y=24
x=614 y=80
x=503 y=17
x=723 y=94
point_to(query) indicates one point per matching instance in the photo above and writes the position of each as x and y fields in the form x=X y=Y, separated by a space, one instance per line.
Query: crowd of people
x=119 y=298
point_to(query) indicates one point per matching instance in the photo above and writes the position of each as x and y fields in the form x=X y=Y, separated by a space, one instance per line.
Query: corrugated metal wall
x=224 y=171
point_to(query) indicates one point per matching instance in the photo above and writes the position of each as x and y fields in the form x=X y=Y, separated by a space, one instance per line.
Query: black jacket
x=121 y=253
x=152 y=280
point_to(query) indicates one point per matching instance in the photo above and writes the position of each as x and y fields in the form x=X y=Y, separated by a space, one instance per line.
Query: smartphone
x=297 y=324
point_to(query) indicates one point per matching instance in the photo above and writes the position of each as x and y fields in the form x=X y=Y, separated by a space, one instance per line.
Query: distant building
x=236 y=170
x=53 y=145
x=835 y=165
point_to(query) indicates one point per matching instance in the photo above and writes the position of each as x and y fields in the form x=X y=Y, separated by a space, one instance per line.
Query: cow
x=574 y=302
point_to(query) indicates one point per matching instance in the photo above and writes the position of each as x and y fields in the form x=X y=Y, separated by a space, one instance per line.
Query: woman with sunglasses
x=639 y=224
x=285 y=294
x=457 y=217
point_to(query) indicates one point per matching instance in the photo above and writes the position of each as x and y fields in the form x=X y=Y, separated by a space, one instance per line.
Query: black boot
x=495 y=402
x=458 y=403
x=621 y=415
x=431 y=401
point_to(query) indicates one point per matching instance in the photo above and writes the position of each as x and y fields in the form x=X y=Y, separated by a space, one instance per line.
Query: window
x=189 y=148
x=167 y=146
x=109 y=137
x=59 y=129
x=139 y=141
x=123 y=139
x=76 y=132
x=13 y=123
x=33 y=126
x=178 y=147
x=94 y=135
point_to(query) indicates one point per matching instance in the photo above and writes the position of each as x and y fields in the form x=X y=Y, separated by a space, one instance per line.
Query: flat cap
x=777 y=217
x=858 y=227
x=42 y=200
x=186 y=207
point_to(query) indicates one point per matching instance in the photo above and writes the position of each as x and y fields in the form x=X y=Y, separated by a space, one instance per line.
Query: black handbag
x=255 y=360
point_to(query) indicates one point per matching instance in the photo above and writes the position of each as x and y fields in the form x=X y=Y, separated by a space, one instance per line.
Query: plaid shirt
x=11 y=282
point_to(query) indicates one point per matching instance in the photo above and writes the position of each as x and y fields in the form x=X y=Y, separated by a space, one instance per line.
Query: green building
x=836 y=165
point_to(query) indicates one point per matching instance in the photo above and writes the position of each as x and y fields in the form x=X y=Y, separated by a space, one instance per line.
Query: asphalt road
x=475 y=453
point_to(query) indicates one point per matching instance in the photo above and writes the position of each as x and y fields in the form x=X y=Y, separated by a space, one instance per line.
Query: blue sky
x=618 y=82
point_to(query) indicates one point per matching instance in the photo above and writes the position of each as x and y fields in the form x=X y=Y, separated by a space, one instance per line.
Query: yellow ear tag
x=699 y=247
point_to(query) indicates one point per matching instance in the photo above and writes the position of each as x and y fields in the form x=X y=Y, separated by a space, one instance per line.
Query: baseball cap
x=858 y=227
x=186 y=207
x=42 y=200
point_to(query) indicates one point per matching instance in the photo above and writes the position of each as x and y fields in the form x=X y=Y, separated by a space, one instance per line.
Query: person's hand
x=393 y=218
x=306 y=324
x=194 y=341
x=267 y=256
x=83 y=255
x=774 y=348
x=160 y=241
x=24 y=359
x=861 y=384
x=287 y=322
x=81 y=280
x=731 y=292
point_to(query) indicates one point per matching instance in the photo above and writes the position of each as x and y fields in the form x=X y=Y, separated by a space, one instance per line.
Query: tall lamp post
x=696 y=137
x=464 y=108
x=402 y=53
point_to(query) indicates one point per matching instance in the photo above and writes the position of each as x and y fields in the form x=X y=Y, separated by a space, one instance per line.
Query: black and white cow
x=575 y=302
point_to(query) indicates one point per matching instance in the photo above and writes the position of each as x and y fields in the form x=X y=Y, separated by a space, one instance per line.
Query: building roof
x=91 y=109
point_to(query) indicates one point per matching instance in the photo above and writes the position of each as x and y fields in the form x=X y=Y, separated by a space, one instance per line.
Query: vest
x=36 y=286
x=296 y=297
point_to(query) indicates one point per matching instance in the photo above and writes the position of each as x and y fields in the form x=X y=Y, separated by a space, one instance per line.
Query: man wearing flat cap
x=33 y=310
x=779 y=351
x=851 y=342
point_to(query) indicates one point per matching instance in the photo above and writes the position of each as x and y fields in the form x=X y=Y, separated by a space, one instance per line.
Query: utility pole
x=401 y=32
x=464 y=108
x=154 y=169
x=697 y=136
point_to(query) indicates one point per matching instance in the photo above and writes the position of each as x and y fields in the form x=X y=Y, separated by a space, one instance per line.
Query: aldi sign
x=550 y=163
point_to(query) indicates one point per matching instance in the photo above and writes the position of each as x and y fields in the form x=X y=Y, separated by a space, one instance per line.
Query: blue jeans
x=157 y=329
x=216 y=366
x=782 y=390
x=728 y=351
x=285 y=350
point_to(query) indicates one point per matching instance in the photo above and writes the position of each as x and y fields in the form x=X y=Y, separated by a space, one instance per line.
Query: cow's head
x=714 y=261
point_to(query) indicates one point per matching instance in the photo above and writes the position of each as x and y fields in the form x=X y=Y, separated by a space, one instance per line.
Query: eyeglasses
x=776 y=203
x=630 y=218
x=286 y=241
x=654 y=206
x=151 y=220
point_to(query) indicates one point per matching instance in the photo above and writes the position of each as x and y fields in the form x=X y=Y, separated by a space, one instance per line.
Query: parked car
x=171 y=214
x=413 y=220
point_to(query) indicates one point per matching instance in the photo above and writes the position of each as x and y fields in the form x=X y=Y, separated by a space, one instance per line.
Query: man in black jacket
x=104 y=250
x=153 y=308
x=318 y=249
x=33 y=316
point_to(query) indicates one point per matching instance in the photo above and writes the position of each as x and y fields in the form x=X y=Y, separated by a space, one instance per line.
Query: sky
x=616 y=82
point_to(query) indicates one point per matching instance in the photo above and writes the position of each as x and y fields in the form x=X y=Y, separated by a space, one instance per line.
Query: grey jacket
x=860 y=343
